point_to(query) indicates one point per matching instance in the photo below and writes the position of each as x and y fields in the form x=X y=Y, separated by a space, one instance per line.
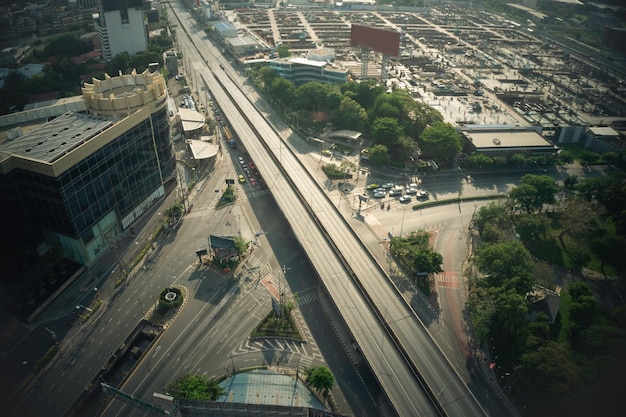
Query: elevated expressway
x=416 y=377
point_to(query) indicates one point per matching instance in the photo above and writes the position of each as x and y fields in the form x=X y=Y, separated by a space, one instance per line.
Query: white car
x=388 y=185
x=241 y=161
x=395 y=193
x=405 y=198
x=411 y=190
x=422 y=194
x=379 y=194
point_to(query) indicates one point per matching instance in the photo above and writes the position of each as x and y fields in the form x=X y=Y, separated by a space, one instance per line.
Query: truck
x=232 y=142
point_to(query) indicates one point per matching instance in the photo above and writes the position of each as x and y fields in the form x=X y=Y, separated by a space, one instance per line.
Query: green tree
x=284 y=91
x=312 y=96
x=506 y=265
x=427 y=260
x=518 y=159
x=195 y=387
x=283 y=51
x=566 y=157
x=550 y=369
x=610 y=249
x=120 y=62
x=142 y=60
x=364 y=93
x=321 y=379
x=378 y=155
x=534 y=192
x=532 y=227
x=14 y=93
x=241 y=244
x=479 y=160
x=440 y=141
x=68 y=45
x=493 y=214
x=266 y=76
x=386 y=131
x=352 y=116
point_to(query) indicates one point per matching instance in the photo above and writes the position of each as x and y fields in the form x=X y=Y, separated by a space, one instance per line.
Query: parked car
x=422 y=195
x=395 y=193
x=405 y=198
x=240 y=160
x=372 y=186
x=411 y=190
x=379 y=194
x=388 y=185
x=252 y=181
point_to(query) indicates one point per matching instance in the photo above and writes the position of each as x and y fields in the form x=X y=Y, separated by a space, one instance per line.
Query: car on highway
x=252 y=181
x=241 y=161
x=242 y=179
x=251 y=165
x=405 y=198
x=372 y=186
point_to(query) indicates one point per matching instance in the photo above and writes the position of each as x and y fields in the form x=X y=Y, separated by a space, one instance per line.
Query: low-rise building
x=506 y=140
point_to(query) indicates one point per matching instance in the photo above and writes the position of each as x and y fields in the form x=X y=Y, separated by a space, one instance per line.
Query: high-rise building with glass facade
x=78 y=180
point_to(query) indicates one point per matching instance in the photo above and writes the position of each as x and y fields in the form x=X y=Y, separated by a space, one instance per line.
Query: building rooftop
x=270 y=388
x=603 y=131
x=56 y=138
x=506 y=138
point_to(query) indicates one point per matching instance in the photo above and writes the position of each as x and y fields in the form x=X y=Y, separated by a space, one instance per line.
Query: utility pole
x=281 y=288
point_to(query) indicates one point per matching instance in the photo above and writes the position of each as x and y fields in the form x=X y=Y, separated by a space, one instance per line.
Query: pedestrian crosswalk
x=307 y=351
x=447 y=279
x=304 y=298
x=258 y=192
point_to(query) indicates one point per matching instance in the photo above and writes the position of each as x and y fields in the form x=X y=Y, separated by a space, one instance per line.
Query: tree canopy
x=320 y=378
x=413 y=251
x=440 y=141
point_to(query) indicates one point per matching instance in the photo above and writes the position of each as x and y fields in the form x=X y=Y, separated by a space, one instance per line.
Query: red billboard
x=385 y=41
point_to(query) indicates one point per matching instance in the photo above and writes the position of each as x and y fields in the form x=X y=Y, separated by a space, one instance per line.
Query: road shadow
x=208 y=282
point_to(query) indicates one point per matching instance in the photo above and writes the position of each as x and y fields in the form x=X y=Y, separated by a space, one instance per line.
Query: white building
x=122 y=27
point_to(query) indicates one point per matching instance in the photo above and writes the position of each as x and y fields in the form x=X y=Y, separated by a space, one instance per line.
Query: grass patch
x=228 y=197
x=274 y=326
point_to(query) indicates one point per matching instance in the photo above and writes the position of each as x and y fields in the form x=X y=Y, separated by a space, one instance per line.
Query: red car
x=251 y=165
x=252 y=181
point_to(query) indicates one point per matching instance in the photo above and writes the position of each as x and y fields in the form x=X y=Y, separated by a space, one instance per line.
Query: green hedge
x=456 y=200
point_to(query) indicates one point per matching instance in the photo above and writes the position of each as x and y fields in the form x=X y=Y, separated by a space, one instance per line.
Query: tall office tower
x=122 y=27
x=75 y=182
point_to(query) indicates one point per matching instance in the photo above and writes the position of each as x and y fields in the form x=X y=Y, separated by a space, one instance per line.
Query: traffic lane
x=180 y=338
x=408 y=402
x=358 y=387
x=301 y=276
